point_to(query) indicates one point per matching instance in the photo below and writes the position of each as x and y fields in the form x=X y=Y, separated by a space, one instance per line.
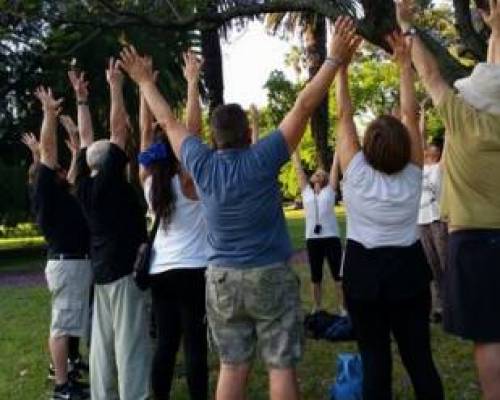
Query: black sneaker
x=78 y=365
x=52 y=373
x=68 y=392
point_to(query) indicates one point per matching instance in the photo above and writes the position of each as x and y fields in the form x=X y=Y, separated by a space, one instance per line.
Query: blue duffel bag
x=348 y=383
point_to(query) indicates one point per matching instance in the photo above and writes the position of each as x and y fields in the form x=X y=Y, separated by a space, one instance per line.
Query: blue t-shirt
x=241 y=200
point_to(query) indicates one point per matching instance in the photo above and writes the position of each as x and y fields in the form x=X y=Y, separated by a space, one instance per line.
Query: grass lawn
x=24 y=356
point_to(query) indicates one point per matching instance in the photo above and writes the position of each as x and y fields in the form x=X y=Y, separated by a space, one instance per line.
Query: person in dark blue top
x=252 y=294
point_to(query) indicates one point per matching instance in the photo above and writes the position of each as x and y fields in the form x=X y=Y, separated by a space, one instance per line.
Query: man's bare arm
x=84 y=119
x=254 y=116
x=192 y=68
x=492 y=19
x=48 y=139
x=294 y=124
x=119 y=122
x=139 y=70
x=424 y=61
x=335 y=172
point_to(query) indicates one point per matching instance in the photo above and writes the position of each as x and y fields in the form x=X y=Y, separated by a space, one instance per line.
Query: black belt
x=68 y=256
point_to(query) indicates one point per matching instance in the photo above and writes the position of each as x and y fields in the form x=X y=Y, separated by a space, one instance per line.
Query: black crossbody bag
x=142 y=263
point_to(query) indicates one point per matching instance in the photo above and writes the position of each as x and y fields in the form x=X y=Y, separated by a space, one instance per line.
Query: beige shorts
x=255 y=309
x=69 y=284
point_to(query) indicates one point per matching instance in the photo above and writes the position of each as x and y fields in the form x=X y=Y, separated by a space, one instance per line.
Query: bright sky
x=249 y=57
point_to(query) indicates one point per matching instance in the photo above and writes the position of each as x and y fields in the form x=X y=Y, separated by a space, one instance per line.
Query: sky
x=249 y=57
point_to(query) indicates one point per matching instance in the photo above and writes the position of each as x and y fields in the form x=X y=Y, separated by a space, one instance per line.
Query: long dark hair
x=162 y=195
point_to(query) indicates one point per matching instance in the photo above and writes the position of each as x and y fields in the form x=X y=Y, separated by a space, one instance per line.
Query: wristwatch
x=83 y=103
x=335 y=62
x=411 y=31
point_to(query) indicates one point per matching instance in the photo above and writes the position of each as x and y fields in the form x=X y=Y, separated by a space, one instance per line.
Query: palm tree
x=313 y=29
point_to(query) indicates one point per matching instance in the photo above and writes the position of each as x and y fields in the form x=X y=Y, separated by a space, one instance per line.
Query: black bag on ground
x=143 y=259
x=331 y=327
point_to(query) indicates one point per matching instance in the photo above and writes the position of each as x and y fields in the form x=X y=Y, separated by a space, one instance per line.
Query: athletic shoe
x=78 y=365
x=52 y=373
x=68 y=392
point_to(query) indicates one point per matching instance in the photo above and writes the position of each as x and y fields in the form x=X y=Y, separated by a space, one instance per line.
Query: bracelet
x=412 y=31
x=82 y=103
x=334 y=62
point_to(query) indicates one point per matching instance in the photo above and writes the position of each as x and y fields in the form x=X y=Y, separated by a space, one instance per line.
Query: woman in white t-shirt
x=179 y=253
x=322 y=237
x=386 y=276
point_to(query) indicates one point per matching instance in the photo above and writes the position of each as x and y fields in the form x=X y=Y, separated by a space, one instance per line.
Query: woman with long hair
x=179 y=251
x=386 y=275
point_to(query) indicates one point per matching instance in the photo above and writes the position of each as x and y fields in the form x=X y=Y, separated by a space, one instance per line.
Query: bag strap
x=153 y=232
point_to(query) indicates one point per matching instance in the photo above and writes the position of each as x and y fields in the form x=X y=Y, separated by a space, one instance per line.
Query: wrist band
x=334 y=62
x=411 y=31
x=82 y=103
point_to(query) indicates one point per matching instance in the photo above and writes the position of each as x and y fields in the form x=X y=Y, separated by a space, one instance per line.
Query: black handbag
x=143 y=259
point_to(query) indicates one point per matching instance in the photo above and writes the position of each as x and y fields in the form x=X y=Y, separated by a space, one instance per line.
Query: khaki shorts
x=69 y=284
x=257 y=308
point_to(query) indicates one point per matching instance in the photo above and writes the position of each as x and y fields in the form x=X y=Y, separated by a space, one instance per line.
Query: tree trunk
x=315 y=38
x=212 y=68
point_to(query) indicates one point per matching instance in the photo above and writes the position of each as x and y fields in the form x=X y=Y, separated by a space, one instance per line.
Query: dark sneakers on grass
x=69 y=391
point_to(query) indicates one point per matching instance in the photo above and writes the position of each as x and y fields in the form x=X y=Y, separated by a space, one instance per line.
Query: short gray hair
x=97 y=153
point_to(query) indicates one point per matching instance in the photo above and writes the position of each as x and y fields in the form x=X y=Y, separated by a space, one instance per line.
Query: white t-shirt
x=319 y=210
x=382 y=210
x=183 y=244
x=431 y=194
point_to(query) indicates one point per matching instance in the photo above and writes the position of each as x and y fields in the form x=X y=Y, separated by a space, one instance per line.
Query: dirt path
x=36 y=278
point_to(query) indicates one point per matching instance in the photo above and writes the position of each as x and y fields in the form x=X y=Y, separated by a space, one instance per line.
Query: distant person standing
x=68 y=271
x=322 y=233
x=433 y=231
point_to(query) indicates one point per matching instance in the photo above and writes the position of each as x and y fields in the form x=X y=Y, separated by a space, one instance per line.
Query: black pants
x=179 y=308
x=320 y=249
x=408 y=320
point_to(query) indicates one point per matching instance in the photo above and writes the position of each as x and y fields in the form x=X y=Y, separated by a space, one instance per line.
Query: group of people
x=220 y=259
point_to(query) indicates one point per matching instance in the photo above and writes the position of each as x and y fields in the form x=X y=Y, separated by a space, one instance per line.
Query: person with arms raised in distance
x=252 y=293
x=68 y=271
x=386 y=275
x=179 y=253
x=322 y=233
x=471 y=194
x=120 y=351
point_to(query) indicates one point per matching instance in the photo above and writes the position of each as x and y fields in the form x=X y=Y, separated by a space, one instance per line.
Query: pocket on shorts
x=221 y=294
x=66 y=316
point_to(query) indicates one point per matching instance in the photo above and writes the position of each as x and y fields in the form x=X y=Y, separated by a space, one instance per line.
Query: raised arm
x=424 y=61
x=31 y=142
x=401 y=47
x=335 y=172
x=84 y=120
x=138 y=69
x=48 y=140
x=118 y=115
x=491 y=18
x=347 y=136
x=294 y=124
x=254 y=116
x=72 y=143
x=301 y=175
x=192 y=68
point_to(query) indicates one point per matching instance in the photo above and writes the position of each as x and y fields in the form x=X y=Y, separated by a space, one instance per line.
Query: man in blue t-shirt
x=252 y=294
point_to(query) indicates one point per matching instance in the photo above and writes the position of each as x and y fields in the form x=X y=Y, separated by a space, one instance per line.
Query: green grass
x=24 y=355
x=20 y=243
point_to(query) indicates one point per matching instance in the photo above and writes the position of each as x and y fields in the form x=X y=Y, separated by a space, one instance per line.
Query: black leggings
x=179 y=308
x=408 y=320
x=320 y=249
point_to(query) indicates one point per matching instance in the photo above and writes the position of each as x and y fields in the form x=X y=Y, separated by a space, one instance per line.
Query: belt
x=68 y=256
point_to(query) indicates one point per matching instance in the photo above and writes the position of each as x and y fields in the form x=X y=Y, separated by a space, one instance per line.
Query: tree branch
x=463 y=21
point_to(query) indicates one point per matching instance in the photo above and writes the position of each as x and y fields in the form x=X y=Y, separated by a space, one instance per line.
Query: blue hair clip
x=155 y=152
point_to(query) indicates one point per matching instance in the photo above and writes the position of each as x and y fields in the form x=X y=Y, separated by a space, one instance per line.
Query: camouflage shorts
x=257 y=308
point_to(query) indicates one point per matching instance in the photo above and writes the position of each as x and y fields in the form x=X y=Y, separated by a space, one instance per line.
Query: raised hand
x=492 y=16
x=31 y=142
x=46 y=98
x=345 y=41
x=138 y=68
x=79 y=84
x=114 y=75
x=401 y=47
x=68 y=124
x=405 y=12
x=192 y=66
